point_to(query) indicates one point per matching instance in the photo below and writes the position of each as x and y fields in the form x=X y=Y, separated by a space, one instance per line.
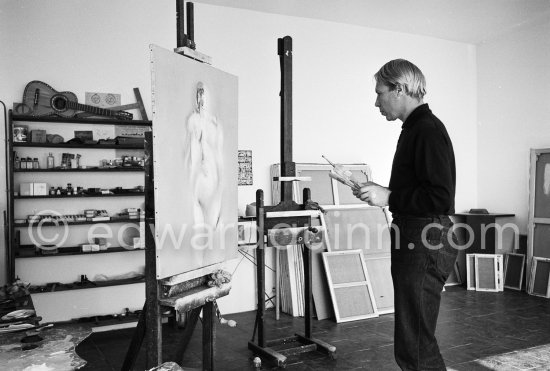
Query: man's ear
x=398 y=91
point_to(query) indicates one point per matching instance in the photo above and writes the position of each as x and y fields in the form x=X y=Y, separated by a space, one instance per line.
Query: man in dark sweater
x=420 y=197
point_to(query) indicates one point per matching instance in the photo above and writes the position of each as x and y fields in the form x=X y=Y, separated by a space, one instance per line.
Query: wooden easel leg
x=135 y=344
x=153 y=327
x=307 y=290
x=208 y=336
x=187 y=333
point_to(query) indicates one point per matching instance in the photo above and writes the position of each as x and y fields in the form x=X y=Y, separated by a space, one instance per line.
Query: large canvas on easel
x=195 y=167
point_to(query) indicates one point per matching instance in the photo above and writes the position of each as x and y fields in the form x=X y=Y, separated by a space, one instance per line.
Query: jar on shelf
x=50 y=163
x=35 y=163
x=16 y=163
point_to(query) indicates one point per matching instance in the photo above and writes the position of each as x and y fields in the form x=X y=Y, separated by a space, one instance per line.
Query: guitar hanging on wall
x=42 y=100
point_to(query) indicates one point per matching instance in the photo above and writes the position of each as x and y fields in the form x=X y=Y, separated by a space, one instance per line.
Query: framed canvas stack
x=348 y=224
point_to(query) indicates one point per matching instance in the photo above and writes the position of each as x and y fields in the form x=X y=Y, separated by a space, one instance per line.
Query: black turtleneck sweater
x=423 y=176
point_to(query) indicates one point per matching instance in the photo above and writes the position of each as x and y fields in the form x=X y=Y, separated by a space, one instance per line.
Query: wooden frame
x=359 y=285
x=539 y=281
x=496 y=284
x=382 y=294
x=510 y=269
x=470 y=272
x=476 y=272
x=381 y=232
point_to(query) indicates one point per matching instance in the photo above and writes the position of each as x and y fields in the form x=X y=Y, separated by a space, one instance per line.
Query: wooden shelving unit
x=14 y=230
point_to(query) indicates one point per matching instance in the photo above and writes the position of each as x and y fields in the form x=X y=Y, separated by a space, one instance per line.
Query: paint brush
x=342 y=175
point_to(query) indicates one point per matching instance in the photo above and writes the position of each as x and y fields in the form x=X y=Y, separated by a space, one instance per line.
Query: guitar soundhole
x=59 y=103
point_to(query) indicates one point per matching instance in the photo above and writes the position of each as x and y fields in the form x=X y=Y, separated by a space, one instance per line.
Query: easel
x=191 y=296
x=287 y=223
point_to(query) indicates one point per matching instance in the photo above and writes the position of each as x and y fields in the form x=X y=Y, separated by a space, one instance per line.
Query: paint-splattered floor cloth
x=55 y=352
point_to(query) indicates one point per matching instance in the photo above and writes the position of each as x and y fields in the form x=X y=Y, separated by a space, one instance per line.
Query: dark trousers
x=421 y=260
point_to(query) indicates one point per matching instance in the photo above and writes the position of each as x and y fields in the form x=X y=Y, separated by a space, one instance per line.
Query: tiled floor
x=476 y=331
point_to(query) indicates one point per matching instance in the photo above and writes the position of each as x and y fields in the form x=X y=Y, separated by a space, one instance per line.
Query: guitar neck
x=92 y=109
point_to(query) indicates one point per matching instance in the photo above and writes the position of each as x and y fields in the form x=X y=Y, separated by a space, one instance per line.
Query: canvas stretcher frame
x=538 y=264
x=509 y=260
x=359 y=286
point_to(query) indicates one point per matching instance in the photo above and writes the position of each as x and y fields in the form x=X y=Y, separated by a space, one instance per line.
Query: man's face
x=387 y=101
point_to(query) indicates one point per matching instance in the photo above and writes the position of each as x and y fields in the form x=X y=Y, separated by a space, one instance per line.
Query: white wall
x=103 y=46
x=513 y=114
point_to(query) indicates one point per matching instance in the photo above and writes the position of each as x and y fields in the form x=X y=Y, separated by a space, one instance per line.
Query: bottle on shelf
x=16 y=162
x=50 y=164
x=23 y=164
x=35 y=163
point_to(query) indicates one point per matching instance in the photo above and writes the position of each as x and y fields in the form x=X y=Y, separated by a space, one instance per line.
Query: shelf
x=72 y=145
x=91 y=170
x=73 y=250
x=130 y=194
x=87 y=285
x=75 y=120
x=62 y=223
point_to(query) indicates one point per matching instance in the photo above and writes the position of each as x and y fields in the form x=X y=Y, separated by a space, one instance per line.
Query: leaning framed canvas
x=194 y=161
x=470 y=272
x=539 y=282
x=350 y=287
x=513 y=270
x=488 y=272
x=379 y=271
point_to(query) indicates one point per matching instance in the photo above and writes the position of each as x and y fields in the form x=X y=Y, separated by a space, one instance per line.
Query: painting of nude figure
x=195 y=167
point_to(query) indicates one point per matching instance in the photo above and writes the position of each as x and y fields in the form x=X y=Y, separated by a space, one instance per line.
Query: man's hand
x=373 y=194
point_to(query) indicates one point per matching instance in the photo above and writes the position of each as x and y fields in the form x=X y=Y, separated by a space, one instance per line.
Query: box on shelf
x=38 y=136
x=26 y=189
x=40 y=189
x=90 y=247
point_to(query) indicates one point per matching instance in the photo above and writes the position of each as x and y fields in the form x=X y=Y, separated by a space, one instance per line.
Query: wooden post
x=180 y=27
x=288 y=167
x=190 y=25
x=208 y=336
x=307 y=276
x=153 y=329
x=260 y=266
